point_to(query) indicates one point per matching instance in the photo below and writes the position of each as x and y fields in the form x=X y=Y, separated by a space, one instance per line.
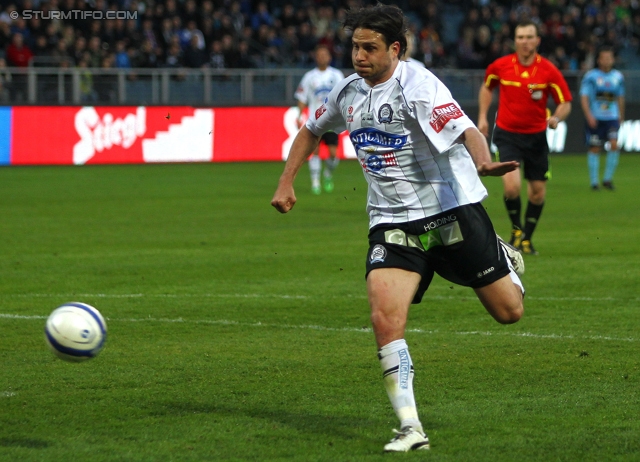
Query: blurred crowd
x=465 y=34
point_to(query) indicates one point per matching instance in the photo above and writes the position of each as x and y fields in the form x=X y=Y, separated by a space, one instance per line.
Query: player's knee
x=509 y=314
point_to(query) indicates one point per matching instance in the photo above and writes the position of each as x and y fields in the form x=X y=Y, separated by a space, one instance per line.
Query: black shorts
x=606 y=130
x=530 y=149
x=330 y=138
x=459 y=244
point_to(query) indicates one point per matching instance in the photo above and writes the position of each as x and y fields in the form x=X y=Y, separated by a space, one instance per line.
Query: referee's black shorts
x=530 y=149
x=460 y=245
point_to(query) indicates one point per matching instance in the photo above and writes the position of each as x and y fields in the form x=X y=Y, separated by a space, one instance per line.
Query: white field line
x=298 y=297
x=226 y=322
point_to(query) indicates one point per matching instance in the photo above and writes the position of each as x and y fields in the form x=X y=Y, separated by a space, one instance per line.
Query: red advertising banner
x=106 y=135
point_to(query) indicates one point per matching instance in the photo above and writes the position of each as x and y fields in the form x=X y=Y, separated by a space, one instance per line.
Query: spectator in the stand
x=306 y=43
x=18 y=54
x=467 y=57
x=122 y=59
x=41 y=49
x=5 y=35
x=166 y=33
x=226 y=27
x=134 y=35
x=148 y=33
x=482 y=45
x=190 y=12
x=79 y=48
x=261 y=16
x=187 y=34
x=19 y=26
x=245 y=60
x=88 y=94
x=174 y=57
x=288 y=17
x=147 y=57
x=216 y=57
x=95 y=51
x=194 y=56
x=171 y=9
x=237 y=18
x=290 y=45
x=229 y=51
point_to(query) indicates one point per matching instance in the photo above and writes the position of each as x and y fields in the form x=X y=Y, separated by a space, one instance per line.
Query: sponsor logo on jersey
x=378 y=254
x=443 y=114
x=385 y=114
x=350 y=111
x=369 y=136
x=321 y=110
x=375 y=163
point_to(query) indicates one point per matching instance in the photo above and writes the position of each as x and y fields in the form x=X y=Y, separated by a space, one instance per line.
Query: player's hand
x=591 y=121
x=497 y=168
x=553 y=122
x=284 y=199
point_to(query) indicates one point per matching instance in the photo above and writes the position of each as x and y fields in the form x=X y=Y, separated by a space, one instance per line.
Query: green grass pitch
x=237 y=333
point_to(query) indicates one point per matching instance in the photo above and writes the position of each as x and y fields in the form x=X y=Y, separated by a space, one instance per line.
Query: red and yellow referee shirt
x=524 y=91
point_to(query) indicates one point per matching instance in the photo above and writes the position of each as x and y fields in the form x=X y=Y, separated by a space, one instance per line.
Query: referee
x=526 y=80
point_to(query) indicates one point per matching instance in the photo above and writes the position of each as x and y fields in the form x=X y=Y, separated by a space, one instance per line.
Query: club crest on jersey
x=443 y=114
x=321 y=110
x=369 y=136
x=378 y=254
x=385 y=114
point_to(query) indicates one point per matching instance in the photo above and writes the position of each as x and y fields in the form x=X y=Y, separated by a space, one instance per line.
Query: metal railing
x=202 y=87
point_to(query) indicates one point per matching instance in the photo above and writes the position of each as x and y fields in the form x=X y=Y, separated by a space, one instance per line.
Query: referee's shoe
x=526 y=247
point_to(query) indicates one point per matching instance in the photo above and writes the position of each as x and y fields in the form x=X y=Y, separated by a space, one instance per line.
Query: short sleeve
x=440 y=116
x=328 y=116
x=585 y=85
x=491 y=76
x=560 y=90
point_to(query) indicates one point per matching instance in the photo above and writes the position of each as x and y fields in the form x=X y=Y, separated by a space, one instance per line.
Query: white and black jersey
x=405 y=133
x=316 y=85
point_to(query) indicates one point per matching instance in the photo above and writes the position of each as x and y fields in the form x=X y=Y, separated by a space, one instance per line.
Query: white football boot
x=407 y=439
x=514 y=256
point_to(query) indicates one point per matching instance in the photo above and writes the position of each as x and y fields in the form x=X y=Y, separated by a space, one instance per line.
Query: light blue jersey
x=603 y=90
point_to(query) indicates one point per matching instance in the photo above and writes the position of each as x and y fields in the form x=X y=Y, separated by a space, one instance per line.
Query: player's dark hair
x=527 y=23
x=387 y=20
x=606 y=49
x=320 y=46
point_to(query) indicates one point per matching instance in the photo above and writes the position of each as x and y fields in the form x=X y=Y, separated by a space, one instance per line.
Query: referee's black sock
x=531 y=219
x=514 y=208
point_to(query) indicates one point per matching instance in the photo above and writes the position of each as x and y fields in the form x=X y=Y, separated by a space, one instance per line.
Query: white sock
x=330 y=165
x=315 y=166
x=397 y=372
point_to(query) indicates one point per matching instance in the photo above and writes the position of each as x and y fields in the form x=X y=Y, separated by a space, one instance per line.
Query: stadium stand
x=458 y=34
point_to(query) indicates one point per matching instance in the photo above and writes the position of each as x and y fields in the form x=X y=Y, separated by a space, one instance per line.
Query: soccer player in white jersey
x=311 y=93
x=422 y=158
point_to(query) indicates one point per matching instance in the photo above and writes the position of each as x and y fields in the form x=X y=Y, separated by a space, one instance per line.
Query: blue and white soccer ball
x=75 y=331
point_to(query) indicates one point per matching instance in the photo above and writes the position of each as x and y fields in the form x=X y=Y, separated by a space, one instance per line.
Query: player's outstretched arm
x=485 y=96
x=476 y=144
x=303 y=145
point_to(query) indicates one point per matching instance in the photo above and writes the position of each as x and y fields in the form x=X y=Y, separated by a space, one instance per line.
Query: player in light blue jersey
x=602 y=99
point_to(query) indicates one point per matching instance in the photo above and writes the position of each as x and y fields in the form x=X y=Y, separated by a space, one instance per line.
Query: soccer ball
x=75 y=331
